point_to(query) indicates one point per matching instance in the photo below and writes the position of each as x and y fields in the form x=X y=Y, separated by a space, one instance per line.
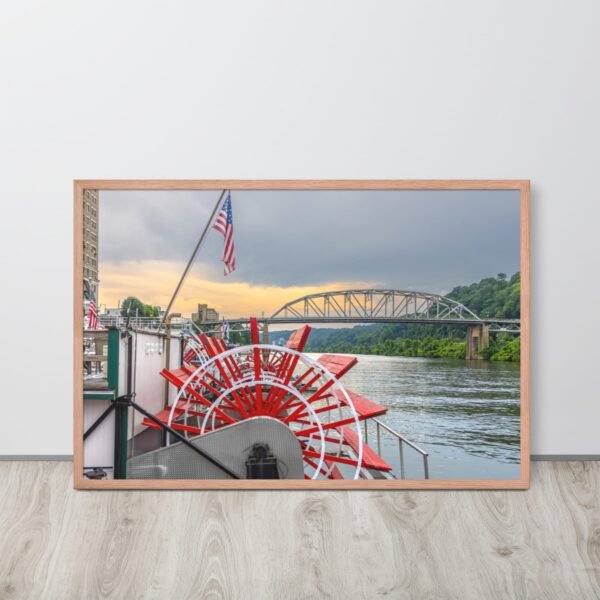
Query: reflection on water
x=464 y=413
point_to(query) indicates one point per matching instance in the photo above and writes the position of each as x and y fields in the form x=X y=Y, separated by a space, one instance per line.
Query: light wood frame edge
x=80 y=483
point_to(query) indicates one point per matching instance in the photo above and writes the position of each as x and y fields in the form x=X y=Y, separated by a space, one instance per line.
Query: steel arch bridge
x=375 y=304
x=380 y=306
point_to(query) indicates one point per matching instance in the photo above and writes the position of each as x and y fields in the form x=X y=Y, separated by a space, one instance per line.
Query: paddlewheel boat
x=265 y=411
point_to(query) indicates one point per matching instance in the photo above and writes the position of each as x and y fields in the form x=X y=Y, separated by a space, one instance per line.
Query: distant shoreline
x=500 y=350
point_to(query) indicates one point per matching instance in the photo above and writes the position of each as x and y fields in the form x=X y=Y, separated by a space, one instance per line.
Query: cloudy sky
x=292 y=243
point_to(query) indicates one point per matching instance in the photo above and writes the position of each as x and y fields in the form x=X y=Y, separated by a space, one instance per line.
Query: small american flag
x=224 y=224
x=93 y=316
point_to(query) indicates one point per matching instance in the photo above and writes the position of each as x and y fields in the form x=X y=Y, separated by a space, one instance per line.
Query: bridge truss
x=380 y=306
x=375 y=304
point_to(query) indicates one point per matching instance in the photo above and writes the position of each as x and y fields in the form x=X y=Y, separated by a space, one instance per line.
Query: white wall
x=433 y=89
x=149 y=383
x=149 y=387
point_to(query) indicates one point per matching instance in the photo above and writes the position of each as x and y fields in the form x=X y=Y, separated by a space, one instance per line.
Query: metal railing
x=138 y=322
x=401 y=441
x=149 y=323
x=95 y=359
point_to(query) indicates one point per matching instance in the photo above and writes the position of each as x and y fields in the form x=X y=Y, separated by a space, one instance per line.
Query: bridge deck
x=366 y=319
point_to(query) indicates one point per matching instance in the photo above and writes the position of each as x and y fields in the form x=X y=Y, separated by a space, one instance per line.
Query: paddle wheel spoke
x=285 y=372
x=314 y=465
x=228 y=384
x=205 y=402
x=330 y=457
x=315 y=396
x=332 y=425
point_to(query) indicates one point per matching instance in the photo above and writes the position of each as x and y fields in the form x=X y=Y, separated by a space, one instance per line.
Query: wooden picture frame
x=522 y=186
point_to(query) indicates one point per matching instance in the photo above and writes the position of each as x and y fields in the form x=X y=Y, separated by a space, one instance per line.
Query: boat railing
x=136 y=322
x=402 y=441
x=95 y=359
x=147 y=323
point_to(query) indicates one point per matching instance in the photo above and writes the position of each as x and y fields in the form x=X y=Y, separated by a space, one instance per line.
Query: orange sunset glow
x=153 y=282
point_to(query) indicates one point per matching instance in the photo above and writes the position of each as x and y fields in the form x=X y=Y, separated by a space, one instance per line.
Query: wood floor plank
x=56 y=543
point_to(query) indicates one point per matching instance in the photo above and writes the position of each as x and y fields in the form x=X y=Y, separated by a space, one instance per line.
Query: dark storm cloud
x=425 y=240
x=151 y=225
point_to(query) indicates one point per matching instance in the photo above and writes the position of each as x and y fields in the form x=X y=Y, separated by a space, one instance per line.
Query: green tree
x=134 y=307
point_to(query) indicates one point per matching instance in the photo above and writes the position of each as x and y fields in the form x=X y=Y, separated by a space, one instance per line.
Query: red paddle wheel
x=261 y=380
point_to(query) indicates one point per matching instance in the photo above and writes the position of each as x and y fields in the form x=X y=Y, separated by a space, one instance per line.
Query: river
x=464 y=413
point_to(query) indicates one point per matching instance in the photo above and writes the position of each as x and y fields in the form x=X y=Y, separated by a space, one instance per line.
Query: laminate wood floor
x=56 y=543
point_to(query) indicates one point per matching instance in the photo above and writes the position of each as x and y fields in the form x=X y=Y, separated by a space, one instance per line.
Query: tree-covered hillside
x=497 y=297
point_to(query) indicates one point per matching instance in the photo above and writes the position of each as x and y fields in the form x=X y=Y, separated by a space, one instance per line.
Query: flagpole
x=194 y=253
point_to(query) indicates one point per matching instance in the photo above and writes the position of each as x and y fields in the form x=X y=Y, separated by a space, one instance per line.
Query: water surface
x=464 y=413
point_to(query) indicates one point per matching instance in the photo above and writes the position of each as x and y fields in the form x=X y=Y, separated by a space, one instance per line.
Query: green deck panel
x=114 y=336
x=120 y=466
x=120 y=453
x=99 y=394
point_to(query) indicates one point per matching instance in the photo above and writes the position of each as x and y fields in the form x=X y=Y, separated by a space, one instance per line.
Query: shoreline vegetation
x=505 y=348
x=497 y=297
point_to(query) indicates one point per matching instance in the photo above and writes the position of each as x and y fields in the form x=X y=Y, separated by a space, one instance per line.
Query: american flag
x=224 y=224
x=93 y=316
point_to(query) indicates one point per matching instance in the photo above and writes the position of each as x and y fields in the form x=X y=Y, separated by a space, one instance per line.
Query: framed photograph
x=269 y=334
